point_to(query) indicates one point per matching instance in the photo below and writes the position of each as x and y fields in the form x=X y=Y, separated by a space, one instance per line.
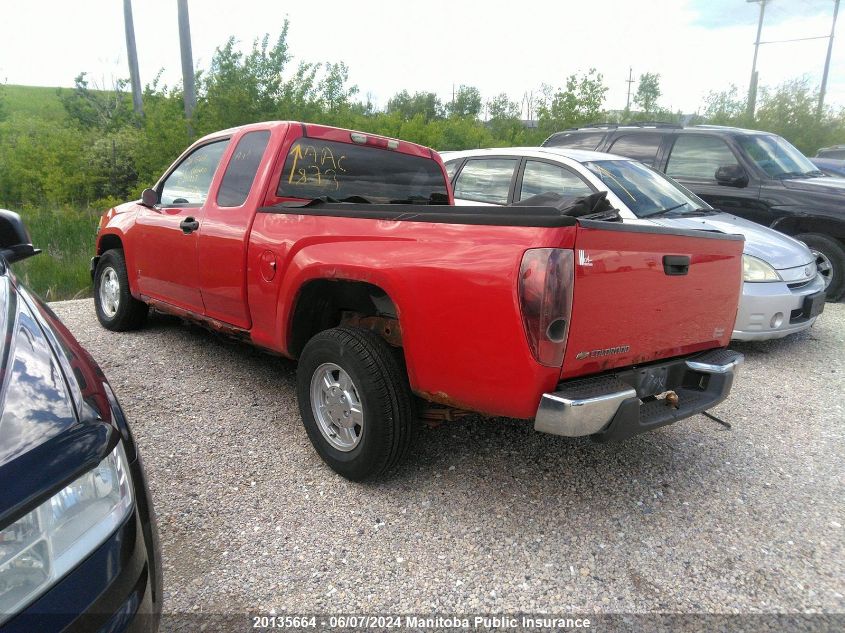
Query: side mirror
x=15 y=243
x=731 y=176
x=149 y=198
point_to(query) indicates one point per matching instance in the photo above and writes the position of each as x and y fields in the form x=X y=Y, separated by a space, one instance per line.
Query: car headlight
x=754 y=269
x=38 y=549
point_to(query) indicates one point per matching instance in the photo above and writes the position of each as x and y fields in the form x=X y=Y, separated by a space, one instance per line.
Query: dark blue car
x=830 y=166
x=78 y=542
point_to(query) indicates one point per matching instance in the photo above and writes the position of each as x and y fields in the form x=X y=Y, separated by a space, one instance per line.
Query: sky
x=695 y=45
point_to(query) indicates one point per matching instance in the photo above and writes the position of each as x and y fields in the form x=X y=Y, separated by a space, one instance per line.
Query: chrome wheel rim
x=337 y=407
x=109 y=292
x=824 y=266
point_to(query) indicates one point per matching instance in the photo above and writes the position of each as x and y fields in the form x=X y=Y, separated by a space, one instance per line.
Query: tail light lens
x=545 y=297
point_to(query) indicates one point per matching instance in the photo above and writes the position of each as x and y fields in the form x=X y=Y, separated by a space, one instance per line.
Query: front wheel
x=830 y=261
x=117 y=309
x=355 y=402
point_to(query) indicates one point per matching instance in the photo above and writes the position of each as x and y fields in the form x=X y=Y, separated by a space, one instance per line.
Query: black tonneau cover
x=545 y=210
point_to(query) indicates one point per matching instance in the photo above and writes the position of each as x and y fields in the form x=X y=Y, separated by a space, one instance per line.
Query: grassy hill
x=66 y=235
x=34 y=101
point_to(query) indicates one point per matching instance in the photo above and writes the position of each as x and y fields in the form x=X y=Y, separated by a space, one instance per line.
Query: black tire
x=833 y=251
x=130 y=313
x=381 y=384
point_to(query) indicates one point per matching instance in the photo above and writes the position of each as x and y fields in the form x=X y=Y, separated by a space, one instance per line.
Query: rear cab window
x=316 y=168
x=243 y=165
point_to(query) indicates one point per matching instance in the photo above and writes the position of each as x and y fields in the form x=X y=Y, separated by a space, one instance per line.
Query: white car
x=782 y=291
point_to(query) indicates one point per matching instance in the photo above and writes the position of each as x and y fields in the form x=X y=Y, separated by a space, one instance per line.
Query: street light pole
x=752 y=86
x=823 y=88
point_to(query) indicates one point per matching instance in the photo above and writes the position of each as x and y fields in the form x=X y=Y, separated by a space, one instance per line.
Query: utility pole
x=132 y=55
x=629 y=80
x=752 y=86
x=823 y=89
x=188 y=83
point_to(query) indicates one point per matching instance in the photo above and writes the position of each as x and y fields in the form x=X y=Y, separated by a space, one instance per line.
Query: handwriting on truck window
x=315 y=165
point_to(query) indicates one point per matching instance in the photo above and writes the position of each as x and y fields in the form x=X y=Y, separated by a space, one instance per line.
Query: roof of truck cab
x=268 y=125
x=248 y=127
x=578 y=155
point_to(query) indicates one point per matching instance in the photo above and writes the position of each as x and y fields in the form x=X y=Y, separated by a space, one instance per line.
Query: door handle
x=676 y=264
x=189 y=225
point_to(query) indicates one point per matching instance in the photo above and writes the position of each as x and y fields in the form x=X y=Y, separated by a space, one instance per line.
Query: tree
x=408 y=106
x=240 y=88
x=466 y=103
x=790 y=111
x=335 y=94
x=725 y=107
x=505 y=122
x=579 y=102
x=92 y=107
x=648 y=92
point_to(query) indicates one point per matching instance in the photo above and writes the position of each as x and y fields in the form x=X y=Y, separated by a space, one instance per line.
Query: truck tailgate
x=644 y=294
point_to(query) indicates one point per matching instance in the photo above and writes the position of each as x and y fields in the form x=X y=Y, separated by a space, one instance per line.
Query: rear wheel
x=117 y=309
x=830 y=261
x=355 y=402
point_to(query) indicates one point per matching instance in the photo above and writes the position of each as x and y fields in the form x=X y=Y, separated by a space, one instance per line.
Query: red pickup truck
x=342 y=250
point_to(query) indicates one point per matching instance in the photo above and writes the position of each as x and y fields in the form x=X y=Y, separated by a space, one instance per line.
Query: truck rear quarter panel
x=454 y=287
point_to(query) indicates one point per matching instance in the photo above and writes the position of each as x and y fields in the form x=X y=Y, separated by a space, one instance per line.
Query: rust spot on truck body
x=386 y=327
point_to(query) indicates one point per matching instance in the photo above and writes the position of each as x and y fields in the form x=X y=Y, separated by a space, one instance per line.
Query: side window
x=189 y=182
x=486 y=180
x=240 y=173
x=696 y=156
x=641 y=147
x=545 y=178
x=452 y=167
x=576 y=140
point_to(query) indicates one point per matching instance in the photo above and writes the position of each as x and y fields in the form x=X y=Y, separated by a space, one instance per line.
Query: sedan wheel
x=824 y=266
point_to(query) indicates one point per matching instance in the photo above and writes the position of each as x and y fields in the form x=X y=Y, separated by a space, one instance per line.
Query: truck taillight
x=545 y=297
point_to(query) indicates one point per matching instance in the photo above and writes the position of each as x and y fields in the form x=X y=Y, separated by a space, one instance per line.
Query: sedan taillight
x=545 y=296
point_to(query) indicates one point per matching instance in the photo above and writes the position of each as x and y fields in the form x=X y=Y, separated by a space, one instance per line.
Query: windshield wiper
x=665 y=211
x=791 y=174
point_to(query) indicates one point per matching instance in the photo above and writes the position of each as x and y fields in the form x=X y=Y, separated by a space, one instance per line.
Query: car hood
x=827 y=184
x=34 y=398
x=773 y=247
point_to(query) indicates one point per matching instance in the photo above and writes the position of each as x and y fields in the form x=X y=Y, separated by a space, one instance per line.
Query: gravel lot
x=486 y=515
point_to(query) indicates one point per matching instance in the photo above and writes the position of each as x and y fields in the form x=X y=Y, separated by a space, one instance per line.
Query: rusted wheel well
x=108 y=242
x=326 y=303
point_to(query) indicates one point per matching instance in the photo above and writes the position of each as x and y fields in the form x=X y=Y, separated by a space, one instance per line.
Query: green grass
x=35 y=101
x=66 y=238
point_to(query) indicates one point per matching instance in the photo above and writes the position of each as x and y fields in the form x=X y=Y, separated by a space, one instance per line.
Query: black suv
x=755 y=175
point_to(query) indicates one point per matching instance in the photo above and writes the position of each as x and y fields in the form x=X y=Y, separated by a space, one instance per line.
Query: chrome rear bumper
x=615 y=406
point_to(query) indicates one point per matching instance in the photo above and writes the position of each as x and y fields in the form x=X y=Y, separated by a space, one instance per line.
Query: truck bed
x=454 y=286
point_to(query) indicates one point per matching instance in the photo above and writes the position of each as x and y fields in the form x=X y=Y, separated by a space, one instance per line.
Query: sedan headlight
x=38 y=549
x=754 y=269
